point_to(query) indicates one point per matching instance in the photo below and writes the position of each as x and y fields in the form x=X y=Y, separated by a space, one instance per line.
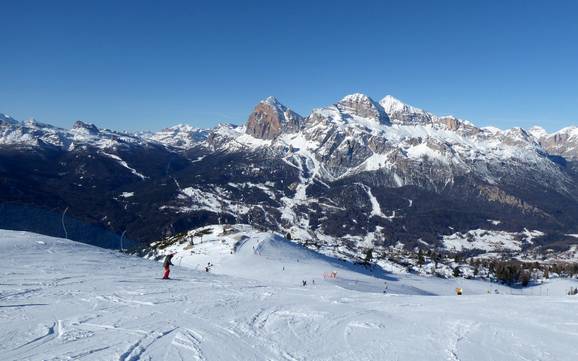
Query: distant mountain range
x=354 y=175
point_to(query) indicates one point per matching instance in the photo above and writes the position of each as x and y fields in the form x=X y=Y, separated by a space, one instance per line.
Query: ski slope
x=61 y=300
x=242 y=251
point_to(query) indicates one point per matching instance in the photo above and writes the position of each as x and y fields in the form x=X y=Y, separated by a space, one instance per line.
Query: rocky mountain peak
x=86 y=128
x=357 y=98
x=270 y=118
x=271 y=100
x=391 y=104
x=563 y=142
x=363 y=106
x=401 y=112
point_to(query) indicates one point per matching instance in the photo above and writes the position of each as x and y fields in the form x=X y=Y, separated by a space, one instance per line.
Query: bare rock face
x=451 y=123
x=563 y=142
x=270 y=118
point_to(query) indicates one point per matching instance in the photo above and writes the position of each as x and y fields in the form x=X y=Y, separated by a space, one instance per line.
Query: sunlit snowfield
x=62 y=300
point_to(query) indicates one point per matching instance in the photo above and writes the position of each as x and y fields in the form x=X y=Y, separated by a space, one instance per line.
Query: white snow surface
x=392 y=105
x=375 y=207
x=124 y=164
x=486 y=240
x=62 y=300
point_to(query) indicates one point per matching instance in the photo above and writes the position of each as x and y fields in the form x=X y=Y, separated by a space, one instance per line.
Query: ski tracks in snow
x=459 y=332
x=137 y=350
x=190 y=340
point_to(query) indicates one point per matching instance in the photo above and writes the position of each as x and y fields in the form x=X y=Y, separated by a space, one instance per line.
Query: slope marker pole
x=64 y=226
x=121 y=237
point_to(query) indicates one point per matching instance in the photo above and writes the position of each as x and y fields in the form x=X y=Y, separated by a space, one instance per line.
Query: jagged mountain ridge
x=356 y=135
x=355 y=174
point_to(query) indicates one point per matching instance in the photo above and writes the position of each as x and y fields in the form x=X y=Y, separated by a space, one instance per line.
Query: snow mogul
x=167 y=266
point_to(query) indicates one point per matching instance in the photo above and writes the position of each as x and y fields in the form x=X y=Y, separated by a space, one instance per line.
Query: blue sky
x=150 y=64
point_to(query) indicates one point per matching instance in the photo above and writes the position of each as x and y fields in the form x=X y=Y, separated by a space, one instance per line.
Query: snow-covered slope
x=64 y=300
x=242 y=251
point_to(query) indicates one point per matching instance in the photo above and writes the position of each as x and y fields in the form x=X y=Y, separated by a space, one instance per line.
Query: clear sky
x=150 y=64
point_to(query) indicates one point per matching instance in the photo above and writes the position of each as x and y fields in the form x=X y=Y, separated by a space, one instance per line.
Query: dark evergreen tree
x=368 y=256
x=524 y=278
x=420 y=258
x=457 y=272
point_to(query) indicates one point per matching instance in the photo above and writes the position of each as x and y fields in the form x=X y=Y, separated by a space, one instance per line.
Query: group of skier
x=304 y=283
x=168 y=263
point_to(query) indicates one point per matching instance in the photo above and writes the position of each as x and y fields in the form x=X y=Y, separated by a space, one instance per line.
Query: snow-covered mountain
x=33 y=133
x=400 y=112
x=180 y=136
x=354 y=175
x=355 y=135
x=563 y=142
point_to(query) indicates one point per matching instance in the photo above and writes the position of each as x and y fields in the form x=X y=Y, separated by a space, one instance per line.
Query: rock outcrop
x=270 y=118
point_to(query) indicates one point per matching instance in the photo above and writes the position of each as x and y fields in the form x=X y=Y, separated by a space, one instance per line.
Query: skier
x=304 y=283
x=167 y=266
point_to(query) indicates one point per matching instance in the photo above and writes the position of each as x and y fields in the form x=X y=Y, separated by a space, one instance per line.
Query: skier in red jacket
x=167 y=266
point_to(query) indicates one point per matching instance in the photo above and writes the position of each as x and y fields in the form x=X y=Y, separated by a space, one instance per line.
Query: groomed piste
x=62 y=300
